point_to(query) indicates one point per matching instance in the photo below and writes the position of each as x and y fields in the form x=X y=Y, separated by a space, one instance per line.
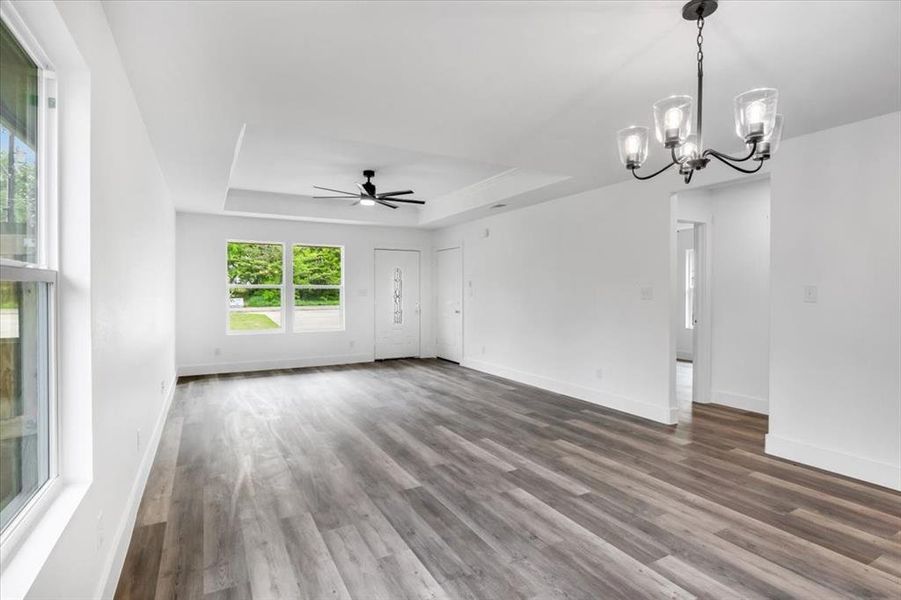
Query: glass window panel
x=254 y=264
x=24 y=394
x=19 y=78
x=318 y=309
x=254 y=309
x=317 y=265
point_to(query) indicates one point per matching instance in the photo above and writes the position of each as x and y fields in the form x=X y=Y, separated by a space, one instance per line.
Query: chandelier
x=756 y=122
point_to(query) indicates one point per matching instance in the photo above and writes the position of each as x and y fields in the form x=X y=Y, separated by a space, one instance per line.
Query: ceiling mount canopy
x=368 y=195
x=756 y=122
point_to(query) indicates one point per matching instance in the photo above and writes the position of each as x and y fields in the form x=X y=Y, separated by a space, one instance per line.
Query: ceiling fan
x=368 y=195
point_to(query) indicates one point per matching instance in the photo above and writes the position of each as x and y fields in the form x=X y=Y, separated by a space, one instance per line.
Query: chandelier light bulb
x=672 y=118
x=633 y=146
x=755 y=114
x=367 y=202
x=633 y=143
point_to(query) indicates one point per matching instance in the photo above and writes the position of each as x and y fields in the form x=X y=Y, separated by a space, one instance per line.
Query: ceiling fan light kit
x=368 y=195
x=756 y=122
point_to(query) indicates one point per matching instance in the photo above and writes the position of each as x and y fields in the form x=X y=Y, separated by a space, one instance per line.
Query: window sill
x=335 y=330
x=27 y=547
x=257 y=332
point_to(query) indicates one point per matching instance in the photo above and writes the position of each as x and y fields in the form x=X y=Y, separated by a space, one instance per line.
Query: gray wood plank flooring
x=418 y=479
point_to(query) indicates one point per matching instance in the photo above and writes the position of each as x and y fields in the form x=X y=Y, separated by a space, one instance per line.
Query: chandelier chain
x=700 y=43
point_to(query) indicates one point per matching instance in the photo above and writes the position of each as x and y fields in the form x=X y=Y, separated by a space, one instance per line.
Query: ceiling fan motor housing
x=369 y=186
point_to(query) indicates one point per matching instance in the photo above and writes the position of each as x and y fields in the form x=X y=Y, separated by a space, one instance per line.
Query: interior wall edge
x=864 y=469
x=113 y=567
x=654 y=412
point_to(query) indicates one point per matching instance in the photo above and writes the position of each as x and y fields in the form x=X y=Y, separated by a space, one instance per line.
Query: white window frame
x=294 y=287
x=269 y=286
x=43 y=270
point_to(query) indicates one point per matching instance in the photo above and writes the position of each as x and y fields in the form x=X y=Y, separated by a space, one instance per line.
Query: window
x=318 y=288
x=27 y=284
x=689 y=288
x=255 y=281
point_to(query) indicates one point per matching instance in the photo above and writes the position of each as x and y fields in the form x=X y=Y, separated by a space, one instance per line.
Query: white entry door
x=450 y=304
x=396 y=303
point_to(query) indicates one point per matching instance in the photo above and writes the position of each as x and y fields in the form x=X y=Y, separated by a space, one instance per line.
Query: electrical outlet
x=647 y=293
x=810 y=294
x=599 y=373
x=483 y=350
x=162 y=387
x=217 y=351
x=352 y=343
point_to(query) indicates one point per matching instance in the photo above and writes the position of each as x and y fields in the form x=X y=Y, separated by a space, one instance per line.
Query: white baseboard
x=264 y=365
x=121 y=539
x=750 y=403
x=865 y=469
x=659 y=413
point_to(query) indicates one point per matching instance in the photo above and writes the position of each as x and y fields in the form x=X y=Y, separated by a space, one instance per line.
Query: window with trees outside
x=27 y=282
x=255 y=282
x=318 y=288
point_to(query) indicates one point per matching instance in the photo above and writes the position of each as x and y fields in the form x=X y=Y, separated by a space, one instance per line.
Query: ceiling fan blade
x=336 y=191
x=356 y=203
x=410 y=201
x=332 y=197
x=383 y=203
x=400 y=193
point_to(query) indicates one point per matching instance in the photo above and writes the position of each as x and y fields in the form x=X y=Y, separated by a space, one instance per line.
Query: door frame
x=418 y=252
x=462 y=298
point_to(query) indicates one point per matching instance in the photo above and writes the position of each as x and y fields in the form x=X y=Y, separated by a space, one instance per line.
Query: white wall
x=132 y=237
x=201 y=290
x=835 y=388
x=684 y=335
x=552 y=296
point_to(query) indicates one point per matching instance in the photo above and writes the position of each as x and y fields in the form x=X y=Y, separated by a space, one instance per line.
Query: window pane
x=24 y=410
x=254 y=309
x=317 y=265
x=254 y=264
x=18 y=151
x=318 y=310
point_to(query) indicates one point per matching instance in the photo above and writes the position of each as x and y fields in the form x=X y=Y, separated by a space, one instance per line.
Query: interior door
x=396 y=303
x=449 y=307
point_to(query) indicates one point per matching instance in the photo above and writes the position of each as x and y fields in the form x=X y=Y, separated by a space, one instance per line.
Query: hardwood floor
x=421 y=479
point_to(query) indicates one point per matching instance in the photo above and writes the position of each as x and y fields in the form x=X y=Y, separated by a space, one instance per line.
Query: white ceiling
x=468 y=103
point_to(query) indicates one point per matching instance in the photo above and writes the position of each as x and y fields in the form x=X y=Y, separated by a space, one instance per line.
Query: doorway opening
x=720 y=300
x=686 y=278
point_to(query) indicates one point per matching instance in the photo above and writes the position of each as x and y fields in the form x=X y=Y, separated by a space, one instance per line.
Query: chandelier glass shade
x=757 y=123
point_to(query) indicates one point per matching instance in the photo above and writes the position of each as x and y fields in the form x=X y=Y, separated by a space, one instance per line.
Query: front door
x=396 y=303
